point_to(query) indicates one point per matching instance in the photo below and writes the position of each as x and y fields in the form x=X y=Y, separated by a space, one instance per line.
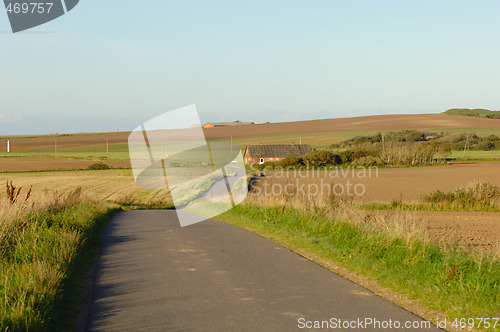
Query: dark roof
x=277 y=151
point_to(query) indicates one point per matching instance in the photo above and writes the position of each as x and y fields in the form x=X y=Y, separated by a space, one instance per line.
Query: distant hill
x=476 y=112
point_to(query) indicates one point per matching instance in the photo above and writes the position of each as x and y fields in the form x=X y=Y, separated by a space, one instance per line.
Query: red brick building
x=260 y=154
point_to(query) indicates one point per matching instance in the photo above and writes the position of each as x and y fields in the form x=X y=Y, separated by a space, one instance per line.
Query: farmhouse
x=264 y=153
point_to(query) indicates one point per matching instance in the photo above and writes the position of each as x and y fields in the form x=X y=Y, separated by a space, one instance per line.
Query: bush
x=357 y=154
x=321 y=158
x=364 y=139
x=415 y=136
x=368 y=161
x=98 y=166
x=267 y=165
x=493 y=116
x=290 y=161
x=346 y=156
x=475 y=196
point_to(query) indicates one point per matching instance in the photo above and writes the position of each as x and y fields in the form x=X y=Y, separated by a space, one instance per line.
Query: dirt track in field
x=377 y=122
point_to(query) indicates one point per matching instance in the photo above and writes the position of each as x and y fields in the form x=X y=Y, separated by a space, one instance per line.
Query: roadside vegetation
x=479 y=196
x=47 y=244
x=392 y=251
x=49 y=240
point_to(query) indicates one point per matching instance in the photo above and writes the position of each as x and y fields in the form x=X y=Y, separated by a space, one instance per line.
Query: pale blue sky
x=109 y=64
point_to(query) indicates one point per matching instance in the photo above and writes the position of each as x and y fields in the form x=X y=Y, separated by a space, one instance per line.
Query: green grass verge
x=449 y=280
x=45 y=257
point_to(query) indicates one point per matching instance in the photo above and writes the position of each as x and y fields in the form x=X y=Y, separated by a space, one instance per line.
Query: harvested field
x=475 y=230
x=479 y=231
x=110 y=184
x=351 y=125
x=383 y=185
x=16 y=164
x=377 y=122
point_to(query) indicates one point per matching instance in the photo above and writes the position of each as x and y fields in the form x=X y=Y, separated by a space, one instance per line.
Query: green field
x=477 y=112
x=91 y=152
x=474 y=155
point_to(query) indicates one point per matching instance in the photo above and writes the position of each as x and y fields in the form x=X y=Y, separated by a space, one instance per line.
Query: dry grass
x=398 y=224
x=477 y=195
x=475 y=231
x=40 y=234
x=107 y=185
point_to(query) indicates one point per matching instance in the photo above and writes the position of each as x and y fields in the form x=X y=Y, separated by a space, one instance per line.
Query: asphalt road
x=153 y=275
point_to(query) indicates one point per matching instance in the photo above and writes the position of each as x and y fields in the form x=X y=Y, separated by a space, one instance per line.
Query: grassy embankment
x=47 y=246
x=394 y=253
x=49 y=239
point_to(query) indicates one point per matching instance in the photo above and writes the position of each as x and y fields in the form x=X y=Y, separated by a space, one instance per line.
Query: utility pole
x=107 y=145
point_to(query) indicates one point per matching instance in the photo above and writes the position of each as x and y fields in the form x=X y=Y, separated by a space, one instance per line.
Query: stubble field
x=477 y=230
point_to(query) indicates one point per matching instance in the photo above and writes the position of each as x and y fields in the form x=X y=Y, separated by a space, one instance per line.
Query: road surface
x=153 y=275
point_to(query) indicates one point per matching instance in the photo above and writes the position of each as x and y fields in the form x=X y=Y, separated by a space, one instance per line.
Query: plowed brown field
x=377 y=122
x=385 y=184
x=63 y=141
x=16 y=164
x=478 y=230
